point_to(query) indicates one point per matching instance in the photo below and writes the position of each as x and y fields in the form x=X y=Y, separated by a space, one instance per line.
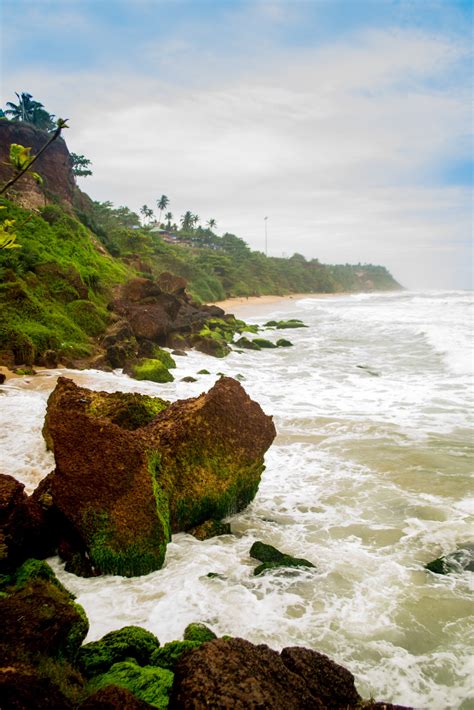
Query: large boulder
x=234 y=673
x=131 y=469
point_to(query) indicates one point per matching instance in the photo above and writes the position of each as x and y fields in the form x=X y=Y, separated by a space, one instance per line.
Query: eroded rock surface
x=131 y=469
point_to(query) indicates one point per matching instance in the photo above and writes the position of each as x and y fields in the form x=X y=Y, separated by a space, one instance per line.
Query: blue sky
x=347 y=122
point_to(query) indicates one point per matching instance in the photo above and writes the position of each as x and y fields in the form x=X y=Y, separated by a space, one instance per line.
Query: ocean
x=370 y=478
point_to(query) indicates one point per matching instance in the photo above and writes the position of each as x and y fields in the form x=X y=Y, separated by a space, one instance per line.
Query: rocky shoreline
x=130 y=470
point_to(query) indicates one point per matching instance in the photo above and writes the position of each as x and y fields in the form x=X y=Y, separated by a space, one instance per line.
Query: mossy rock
x=32 y=570
x=134 y=642
x=283 y=343
x=150 y=684
x=128 y=410
x=150 y=369
x=263 y=343
x=458 y=561
x=188 y=378
x=164 y=357
x=271 y=324
x=211 y=343
x=203 y=372
x=39 y=619
x=168 y=655
x=198 y=632
x=244 y=342
x=210 y=528
x=273 y=558
x=292 y=323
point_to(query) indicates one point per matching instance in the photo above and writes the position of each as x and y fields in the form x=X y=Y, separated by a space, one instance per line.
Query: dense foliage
x=55 y=289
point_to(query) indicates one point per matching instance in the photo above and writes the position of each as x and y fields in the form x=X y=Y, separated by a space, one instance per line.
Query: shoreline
x=242 y=302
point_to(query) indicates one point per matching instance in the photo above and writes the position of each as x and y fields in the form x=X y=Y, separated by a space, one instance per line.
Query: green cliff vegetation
x=55 y=289
x=60 y=266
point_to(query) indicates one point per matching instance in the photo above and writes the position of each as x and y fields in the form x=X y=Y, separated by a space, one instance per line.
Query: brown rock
x=139 y=288
x=112 y=698
x=128 y=474
x=50 y=359
x=235 y=674
x=104 y=481
x=170 y=283
x=211 y=528
x=39 y=619
x=22 y=688
x=212 y=449
x=24 y=530
x=332 y=684
x=54 y=166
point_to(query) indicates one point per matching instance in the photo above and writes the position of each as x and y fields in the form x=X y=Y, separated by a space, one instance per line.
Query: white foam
x=368 y=479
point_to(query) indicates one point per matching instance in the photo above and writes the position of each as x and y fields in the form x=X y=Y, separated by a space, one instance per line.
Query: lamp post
x=266 y=250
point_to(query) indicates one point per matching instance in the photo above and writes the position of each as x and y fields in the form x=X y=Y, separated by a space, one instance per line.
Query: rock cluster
x=131 y=470
x=45 y=666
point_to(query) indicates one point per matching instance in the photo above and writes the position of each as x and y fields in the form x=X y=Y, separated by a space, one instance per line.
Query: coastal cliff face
x=54 y=166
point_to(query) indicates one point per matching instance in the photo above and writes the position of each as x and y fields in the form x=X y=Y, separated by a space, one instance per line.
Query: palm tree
x=195 y=219
x=211 y=223
x=162 y=204
x=187 y=221
x=30 y=111
x=147 y=212
x=23 y=111
x=168 y=217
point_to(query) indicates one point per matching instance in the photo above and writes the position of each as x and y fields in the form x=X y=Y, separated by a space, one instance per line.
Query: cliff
x=54 y=166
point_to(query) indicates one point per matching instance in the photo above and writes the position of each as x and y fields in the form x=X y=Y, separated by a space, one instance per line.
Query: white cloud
x=333 y=144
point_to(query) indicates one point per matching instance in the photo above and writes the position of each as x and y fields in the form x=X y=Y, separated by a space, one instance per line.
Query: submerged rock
x=131 y=469
x=211 y=528
x=272 y=558
x=460 y=560
x=264 y=343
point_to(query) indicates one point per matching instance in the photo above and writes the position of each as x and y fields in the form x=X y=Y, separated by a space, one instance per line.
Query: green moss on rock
x=168 y=655
x=129 y=642
x=126 y=560
x=283 y=343
x=128 y=410
x=150 y=684
x=151 y=369
x=263 y=343
x=273 y=558
x=164 y=357
x=457 y=561
x=292 y=323
x=198 y=632
x=244 y=342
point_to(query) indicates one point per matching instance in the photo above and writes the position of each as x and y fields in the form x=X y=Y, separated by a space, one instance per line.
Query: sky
x=348 y=123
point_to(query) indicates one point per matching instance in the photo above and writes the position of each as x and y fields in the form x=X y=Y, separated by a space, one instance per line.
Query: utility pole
x=266 y=240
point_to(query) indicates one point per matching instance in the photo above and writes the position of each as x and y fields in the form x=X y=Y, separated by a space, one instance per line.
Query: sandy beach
x=242 y=303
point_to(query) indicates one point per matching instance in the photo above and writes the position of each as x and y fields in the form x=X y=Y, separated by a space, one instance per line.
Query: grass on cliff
x=55 y=288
